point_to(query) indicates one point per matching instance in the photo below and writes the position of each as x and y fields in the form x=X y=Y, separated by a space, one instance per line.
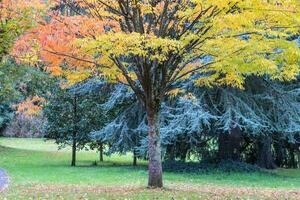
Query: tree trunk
x=134 y=158
x=292 y=160
x=101 y=152
x=183 y=151
x=170 y=152
x=154 y=150
x=73 y=163
x=298 y=156
x=279 y=153
x=230 y=145
x=265 y=157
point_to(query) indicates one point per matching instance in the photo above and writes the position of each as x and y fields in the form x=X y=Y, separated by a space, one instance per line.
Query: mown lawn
x=38 y=170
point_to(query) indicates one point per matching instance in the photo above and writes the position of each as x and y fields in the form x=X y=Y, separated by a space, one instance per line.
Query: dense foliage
x=73 y=113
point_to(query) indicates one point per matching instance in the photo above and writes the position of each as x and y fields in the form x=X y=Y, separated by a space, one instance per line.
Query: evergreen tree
x=73 y=113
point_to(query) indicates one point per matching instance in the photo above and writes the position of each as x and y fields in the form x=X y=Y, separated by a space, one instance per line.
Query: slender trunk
x=154 y=150
x=73 y=163
x=298 y=156
x=101 y=152
x=134 y=158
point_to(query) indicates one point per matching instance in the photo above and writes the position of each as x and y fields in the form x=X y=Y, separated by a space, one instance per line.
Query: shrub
x=26 y=126
x=6 y=114
x=205 y=167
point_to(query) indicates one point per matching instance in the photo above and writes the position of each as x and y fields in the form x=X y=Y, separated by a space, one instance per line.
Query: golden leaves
x=31 y=106
x=175 y=92
x=123 y=44
x=242 y=37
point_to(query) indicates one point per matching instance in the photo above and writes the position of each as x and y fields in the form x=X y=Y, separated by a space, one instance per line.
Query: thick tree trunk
x=265 y=157
x=183 y=151
x=170 y=152
x=230 y=145
x=101 y=152
x=154 y=150
x=279 y=153
x=292 y=160
x=73 y=163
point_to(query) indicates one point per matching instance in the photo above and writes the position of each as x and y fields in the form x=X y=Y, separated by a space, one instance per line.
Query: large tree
x=153 y=45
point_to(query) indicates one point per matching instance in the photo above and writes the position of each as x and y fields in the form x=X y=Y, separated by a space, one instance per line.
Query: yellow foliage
x=248 y=37
x=175 y=92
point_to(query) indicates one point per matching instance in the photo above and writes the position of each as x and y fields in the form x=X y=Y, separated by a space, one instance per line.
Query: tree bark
x=279 y=153
x=183 y=151
x=73 y=163
x=170 y=152
x=265 y=157
x=291 y=153
x=298 y=156
x=154 y=150
x=101 y=152
x=134 y=159
x=230 y=145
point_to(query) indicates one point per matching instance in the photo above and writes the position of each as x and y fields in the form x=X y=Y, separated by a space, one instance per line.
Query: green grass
x=39 y=171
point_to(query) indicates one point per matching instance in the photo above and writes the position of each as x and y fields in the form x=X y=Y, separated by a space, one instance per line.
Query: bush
x=6 y=114
x=26 y=126
x=205 y=167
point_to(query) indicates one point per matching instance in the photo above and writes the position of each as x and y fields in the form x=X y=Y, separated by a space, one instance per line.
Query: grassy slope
x=37 y=169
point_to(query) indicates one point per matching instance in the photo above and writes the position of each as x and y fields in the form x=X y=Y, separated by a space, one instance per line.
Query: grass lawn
x=38 y=170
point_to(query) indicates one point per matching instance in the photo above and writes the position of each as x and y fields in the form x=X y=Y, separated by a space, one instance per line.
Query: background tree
x=20 y=84
x=123 y=132
x=15 y=18
x=73 y=113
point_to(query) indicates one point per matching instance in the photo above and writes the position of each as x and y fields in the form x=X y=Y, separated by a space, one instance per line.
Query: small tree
x=71 y=116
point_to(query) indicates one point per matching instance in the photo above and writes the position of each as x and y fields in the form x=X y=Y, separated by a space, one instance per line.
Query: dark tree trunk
x=249 y=150
x=101 y=152
x=170 y=152
x=292 y=160
x=73 y=163
x=183 y=151
x=298 y=156
x=230 y=145
x=154 y=150
x=134 y=159
x=297 y=151
x=279 y=153
x=265 y=157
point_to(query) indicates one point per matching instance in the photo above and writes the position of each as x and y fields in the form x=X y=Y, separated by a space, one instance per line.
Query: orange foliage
x=10 y=9
x=31 y=106
x=54 y=43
